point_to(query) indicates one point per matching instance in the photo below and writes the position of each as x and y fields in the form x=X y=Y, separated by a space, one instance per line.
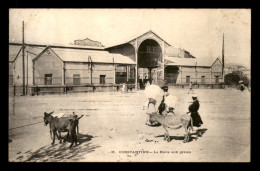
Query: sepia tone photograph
x=129 y=85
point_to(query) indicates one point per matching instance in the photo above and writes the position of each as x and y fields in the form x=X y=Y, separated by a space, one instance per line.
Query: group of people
x=167 y=106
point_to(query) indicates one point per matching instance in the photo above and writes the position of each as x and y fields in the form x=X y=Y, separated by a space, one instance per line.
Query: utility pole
x=27 y=74
x=89 y=57
x=223 y=57
x=196 y=71
x=23 y=62
x=114 y=71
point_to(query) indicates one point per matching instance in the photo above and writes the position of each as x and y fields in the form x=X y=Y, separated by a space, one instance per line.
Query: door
x=48 y=79
x=203 y=79
x=187 y=79
x=76 y=79
x=216 y=79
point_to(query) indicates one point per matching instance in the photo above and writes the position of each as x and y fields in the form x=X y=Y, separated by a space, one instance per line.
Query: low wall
x=198 y=86
x=61 y=89
x=16 y=90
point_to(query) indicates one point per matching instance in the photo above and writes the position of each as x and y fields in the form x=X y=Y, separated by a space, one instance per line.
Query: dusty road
x=113 y=128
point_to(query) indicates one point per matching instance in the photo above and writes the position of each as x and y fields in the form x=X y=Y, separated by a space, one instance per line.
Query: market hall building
x=155 y=59
x=87 y=66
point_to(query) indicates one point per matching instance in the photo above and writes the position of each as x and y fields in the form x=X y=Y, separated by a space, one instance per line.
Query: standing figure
x=190 y=87
x=145 y=81
x=123 y=88
x=242 y=86
x=193 y=109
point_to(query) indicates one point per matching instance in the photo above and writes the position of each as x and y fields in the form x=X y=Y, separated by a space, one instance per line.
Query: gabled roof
x=75 y=55
x=150 y=31
x=177 y=61
x=216 y=61
x=34 y=50
x=44 y=50
x=14 y=51
x=131 y=39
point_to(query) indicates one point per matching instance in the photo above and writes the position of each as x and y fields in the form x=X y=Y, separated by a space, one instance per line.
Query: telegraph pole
x=90 y=60
x=196 y=71
x=223 y=57
x=27 y=73
x=23 y=63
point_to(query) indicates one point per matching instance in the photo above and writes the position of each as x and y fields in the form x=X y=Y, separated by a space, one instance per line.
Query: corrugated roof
x=34 y=50
x=59 y=45
x=13 y=51
x=76 y=55
x=177 y=61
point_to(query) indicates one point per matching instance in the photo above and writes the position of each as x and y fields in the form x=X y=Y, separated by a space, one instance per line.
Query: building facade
x=87 y=64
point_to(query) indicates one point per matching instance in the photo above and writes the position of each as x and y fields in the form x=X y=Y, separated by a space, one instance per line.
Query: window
x=148 y=48
x=102 y=79
x=154 y=49
x=48 y=79
x=121 y=77
x=121 y=69
x=216 y=79
x=76 y=79
x=202 y=79
x=187 y=79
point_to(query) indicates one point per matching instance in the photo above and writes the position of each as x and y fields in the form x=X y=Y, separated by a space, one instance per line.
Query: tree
x=234 y=78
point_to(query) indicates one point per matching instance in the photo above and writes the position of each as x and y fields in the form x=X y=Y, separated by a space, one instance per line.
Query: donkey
x=61 y=125
x=172 y=122
x=76 y=122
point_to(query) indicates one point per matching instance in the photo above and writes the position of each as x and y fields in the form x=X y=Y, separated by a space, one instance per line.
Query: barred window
x=102 y=79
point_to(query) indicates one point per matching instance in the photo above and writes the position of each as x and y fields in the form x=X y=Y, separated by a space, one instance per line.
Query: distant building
x=88 y=42
x=59 y=67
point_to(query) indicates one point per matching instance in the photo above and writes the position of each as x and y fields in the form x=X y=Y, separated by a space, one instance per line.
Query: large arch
x=149 y=57
x=149 y=54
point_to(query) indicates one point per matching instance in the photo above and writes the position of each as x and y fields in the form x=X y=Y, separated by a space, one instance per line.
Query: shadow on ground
x=194 y=136
x=61 y=152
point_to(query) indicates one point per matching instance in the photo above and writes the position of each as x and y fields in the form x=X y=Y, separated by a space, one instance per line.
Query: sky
x=199 y=31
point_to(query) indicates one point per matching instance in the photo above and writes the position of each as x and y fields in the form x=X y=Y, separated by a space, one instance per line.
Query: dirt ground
x=113 y=128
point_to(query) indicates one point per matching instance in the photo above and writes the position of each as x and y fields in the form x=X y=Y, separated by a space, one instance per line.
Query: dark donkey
x=61 y=125
x=76 y=121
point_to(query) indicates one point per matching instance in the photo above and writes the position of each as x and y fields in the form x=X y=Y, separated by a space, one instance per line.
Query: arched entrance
x=149 y=59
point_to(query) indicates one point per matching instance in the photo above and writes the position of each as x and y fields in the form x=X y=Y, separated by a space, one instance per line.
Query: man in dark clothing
x=162 y=106
x=193 y=109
